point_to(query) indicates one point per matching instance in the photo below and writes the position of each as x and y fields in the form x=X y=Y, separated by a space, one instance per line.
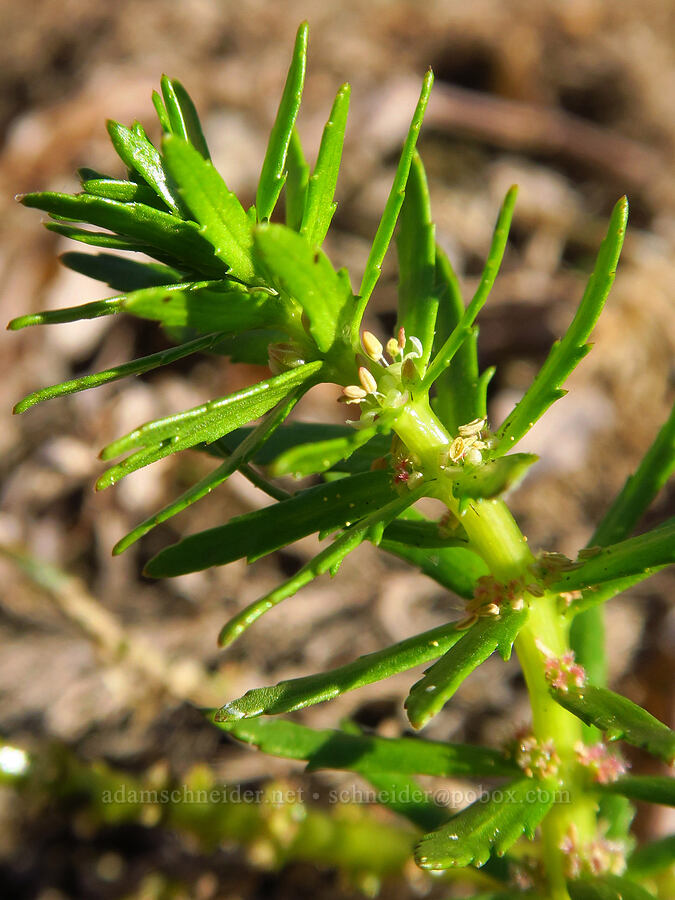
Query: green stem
x=495 y=535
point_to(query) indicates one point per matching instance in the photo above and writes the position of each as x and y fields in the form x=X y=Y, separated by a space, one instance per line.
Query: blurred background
x=100 y=668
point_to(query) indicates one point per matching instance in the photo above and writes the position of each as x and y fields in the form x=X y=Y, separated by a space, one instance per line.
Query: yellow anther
x=472 y=428
x=392 y=349
x=367 y=380
x=372 y=346
x=352 y=393
x=457 y=449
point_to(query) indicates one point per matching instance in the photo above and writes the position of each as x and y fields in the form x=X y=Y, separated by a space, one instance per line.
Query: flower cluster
x=605 y=767
x=597 y=857
x=490 y=597
x=472 y=438
x=384 y=384
x=562 y=672
x=537 y=759
x=549 y=566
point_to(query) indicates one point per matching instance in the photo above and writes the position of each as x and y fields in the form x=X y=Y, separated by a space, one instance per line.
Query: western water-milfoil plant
x=228 y=281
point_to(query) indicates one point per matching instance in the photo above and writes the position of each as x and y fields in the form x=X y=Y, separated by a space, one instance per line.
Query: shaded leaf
x=648 y=788
x=120 y=273
x=297 y=178
x=652 y=858
x=458 y=397
x=325 y=507
x=319 y=456
x=417 y=300
x=640 y=489
x=463 y=330
x=98 y=238
x=455 y=568
x=207 y=306
x=607 y=887
x=154 y=228
x=365 y=754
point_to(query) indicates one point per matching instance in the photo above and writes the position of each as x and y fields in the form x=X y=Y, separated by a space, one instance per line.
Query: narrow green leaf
x=460 y=392
x=204 y=423
x=294 y=434
x=489 y=479
x=385 y=230
x=463 y=330
x=94 y=310
x=587 y=634
x=596 y=596
x=566 y=354
x=365 y=754
x=244 y=452
x=272 y=173
x=182 y=115
x=157 y=229
x=297 y=693
x=98 y=238
x=222 y=218
x=310 y=459
x=455 y=568
x=640 y=489
x=124 y=191
x=329 y=560
x=416 y=246
x=320 y=206
x=403 y=795
x=162 y=114
x=323 y=508
x=648 y=788
x=135 y=367
x=297 y=178
x=304 y=273
x=652 y=858
x=137 y=153
x=429 y=695
x=207 y=306
x=120 y=273
x=418 y=533
x=607 y=887
x=494 y=821
x=638 y=555
x=251 y=346
x=620 y=718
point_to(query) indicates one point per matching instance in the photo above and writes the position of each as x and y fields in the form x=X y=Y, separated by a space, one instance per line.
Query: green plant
x=227 y=281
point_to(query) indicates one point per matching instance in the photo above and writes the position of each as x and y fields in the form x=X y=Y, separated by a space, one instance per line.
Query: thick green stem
x=493 y=532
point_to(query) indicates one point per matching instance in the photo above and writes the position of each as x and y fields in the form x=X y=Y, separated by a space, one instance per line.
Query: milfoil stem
x=495 y=535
